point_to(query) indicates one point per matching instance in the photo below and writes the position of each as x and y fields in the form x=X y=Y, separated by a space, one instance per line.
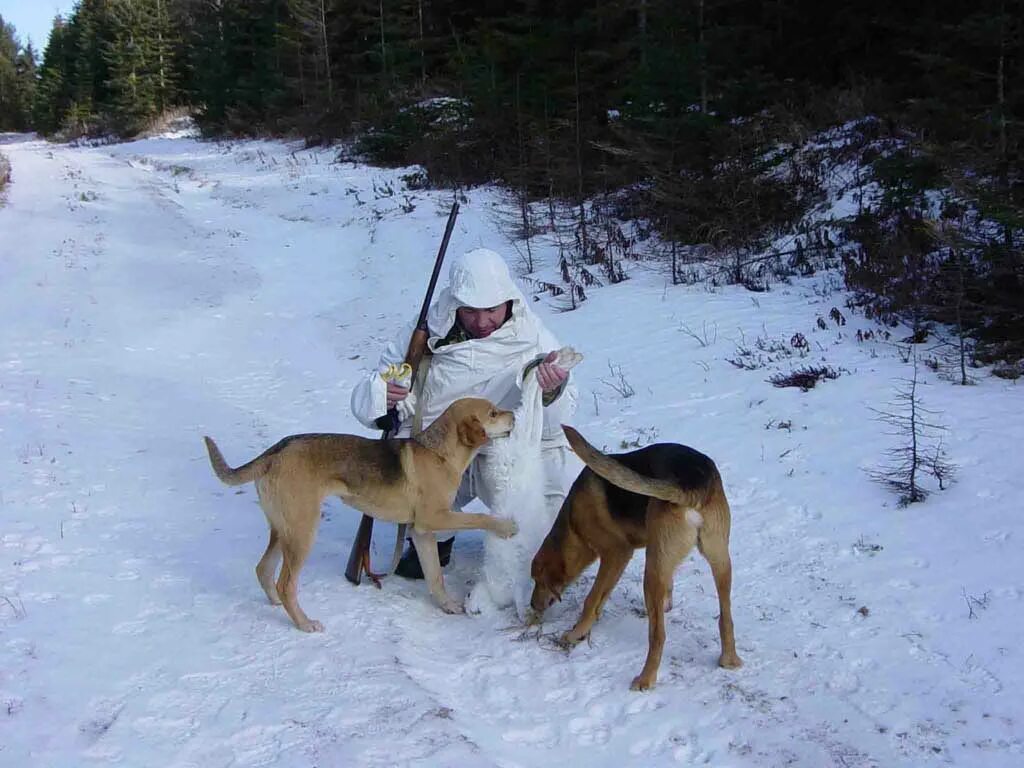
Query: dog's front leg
x=447 y=520
x=608 y=574
x=426 y=548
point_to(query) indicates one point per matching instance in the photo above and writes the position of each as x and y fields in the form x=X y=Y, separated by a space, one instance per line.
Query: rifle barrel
x=421 y=323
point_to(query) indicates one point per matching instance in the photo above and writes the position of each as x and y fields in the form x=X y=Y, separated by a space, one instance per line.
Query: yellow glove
x=397 y=373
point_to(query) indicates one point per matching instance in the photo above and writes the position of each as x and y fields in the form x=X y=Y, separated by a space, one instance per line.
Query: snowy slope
x=156 y=291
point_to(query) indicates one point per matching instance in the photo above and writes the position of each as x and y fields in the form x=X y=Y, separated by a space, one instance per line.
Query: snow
x=155 y=291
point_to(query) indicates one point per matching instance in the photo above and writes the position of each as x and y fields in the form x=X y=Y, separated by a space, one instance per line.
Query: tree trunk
x=702 y=55
x=1001 y=101
x=383 y=47
x=161 y=68
x=641 y=24
x=961 y=290
x=584 y=246
x=524 y=195
x=914 y=494
x=327 y=53
x=423 y=53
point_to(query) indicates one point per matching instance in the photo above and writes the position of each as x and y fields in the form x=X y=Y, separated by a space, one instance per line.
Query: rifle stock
x=359 y=556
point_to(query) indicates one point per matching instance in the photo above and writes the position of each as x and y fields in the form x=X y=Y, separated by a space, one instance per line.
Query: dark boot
x=409 y=566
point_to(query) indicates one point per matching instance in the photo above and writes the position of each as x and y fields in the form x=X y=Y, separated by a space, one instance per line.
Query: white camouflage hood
x=479 y=279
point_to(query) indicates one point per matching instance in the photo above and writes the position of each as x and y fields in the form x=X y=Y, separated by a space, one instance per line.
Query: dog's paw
x=642 y=683
x=453 y=607
x=311 y=625
x=730 y=661
x=480 y=600
x=568 y=640
x=505 y=527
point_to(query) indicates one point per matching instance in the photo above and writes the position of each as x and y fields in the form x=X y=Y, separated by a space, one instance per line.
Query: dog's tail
x=619 y=474
x=243 y=474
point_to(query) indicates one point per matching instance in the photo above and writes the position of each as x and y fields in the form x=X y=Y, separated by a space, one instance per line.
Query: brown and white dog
x=666 y=498
x=411 y=481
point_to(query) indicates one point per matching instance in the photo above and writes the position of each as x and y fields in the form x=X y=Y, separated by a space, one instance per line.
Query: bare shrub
x=618 y=381
x=805 y=378
x=5 y=172
x=919 y=452
x=1008 y=371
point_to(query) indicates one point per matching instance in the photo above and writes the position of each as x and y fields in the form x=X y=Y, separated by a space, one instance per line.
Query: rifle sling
x=417 y=386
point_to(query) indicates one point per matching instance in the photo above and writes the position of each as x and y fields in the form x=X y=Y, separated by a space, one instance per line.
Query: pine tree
x=919 y=452
x=312 y=29
x=26 y=81
x=53 y=92
x=91 y=31
x=139 y=62
x=10 y=117
x=17 y=80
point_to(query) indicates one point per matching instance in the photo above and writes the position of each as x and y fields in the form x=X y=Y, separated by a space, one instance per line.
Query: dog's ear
x=472 y=432
x=547 y=566
x=548 y=572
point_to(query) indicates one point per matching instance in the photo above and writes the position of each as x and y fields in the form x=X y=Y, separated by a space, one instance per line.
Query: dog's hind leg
x=295 y=546
x=669 y=540
x=266 y=569
x=613 y=563
x=715 y=548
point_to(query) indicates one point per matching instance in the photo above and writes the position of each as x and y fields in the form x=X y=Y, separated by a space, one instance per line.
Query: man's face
x=481 y=323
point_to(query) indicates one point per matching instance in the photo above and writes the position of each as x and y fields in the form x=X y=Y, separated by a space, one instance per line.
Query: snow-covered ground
x=156 y=291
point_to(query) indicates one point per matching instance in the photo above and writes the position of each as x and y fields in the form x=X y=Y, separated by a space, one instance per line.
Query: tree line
x=679 y=112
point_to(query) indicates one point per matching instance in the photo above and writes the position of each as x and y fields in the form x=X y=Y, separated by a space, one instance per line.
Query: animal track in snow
x=539 y=735
x=562 y=695
x=589 y=731
x=130 y=627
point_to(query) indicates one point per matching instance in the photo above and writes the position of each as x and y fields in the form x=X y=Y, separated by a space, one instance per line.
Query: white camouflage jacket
x=491 y=368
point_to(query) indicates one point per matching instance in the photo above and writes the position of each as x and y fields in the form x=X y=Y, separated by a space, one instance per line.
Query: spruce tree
x=10 y=118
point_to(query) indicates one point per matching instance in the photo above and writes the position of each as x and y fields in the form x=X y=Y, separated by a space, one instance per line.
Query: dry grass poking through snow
x=5 y=175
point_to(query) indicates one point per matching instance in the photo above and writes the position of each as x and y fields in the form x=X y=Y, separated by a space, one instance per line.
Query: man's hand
x=396 y=394
x=550 y=376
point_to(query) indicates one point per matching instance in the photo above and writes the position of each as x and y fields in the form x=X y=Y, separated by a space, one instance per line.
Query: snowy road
x=154 y=292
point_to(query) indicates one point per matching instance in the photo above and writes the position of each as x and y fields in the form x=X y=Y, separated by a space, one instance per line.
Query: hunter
x=482 y=338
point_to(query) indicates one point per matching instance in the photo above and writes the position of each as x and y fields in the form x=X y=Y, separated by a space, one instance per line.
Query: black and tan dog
x=409 y=481
x=664 y=497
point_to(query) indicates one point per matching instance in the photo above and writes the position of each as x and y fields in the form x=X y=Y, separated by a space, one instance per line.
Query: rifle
x=359 y=557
